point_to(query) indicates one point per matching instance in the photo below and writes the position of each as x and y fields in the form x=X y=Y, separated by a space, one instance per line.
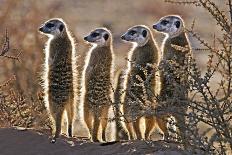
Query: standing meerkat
x=97 y=76
x=142 y=58
x=59 y=74
x=173 y=27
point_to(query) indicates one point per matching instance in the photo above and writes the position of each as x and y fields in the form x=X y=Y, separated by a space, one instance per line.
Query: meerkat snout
x=85 y=38
x=155 y=26
x=41 y=29
x=123 y=37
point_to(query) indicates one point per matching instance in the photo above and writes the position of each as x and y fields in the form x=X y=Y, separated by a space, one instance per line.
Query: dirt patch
x=32 y=142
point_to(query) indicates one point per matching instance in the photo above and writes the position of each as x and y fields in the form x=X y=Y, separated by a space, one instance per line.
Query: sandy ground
x=32 y=142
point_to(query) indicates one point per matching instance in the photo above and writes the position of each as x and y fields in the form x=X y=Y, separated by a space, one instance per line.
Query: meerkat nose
x=85 y=38
x=41 y=29
x=154 y=26
x=123 y=37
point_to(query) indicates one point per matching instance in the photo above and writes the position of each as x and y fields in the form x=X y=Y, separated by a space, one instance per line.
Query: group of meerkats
x=60 y=77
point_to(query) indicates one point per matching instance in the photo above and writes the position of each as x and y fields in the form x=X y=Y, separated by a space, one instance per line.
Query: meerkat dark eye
x=177 y=23
x=94 y=34
x=50 y=25
x=106 y=36
x=61 y=28
x=164 y=22
x=144 y=33
x=132 y=32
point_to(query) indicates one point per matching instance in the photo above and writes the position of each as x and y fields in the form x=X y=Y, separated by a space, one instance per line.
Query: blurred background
x=23 y=17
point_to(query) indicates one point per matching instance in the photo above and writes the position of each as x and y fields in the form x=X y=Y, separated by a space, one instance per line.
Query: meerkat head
x=171 y=25
x=53 y=27
x=138 y=34
x=99 y=36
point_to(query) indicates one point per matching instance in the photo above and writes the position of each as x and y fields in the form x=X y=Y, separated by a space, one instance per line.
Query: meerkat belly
x=135 y=90
x=172 y=70
x=60 y=83
x=139 y=89
x=98 y=89
x=141 y=81
x=132 y=105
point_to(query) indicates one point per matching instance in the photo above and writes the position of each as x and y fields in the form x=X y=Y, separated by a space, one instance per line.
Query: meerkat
x=97 y=93
x=173 y=27
x=59 y=74
x=142 y=57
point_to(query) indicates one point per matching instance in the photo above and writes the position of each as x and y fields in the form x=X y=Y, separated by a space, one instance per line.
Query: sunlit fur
x=174 y=36
x=142 y=53
x=99 y=57
x=46 y=69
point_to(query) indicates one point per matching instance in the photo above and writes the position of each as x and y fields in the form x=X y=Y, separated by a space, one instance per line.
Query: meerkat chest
x=143 y=57
x=99 y=65
x=60 y=50
x=141 y=64
x=174 y=49
x=60 y=72
x=172 y=54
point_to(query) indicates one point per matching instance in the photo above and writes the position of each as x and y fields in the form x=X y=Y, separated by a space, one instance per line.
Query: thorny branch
x=6 y=48
x=207 y=104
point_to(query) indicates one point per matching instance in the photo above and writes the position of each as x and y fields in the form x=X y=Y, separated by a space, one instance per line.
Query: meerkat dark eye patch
x=144 y=33
x=61 y=28
x=164 y=22
x=106 y=36
x=49 y=25
x=94 y=34
x=177 y=23
x=132 y=32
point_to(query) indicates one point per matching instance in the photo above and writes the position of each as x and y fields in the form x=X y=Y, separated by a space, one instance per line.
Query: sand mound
x=32 y=142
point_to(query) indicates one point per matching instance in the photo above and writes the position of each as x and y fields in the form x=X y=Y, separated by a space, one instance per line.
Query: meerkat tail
x=121 y=133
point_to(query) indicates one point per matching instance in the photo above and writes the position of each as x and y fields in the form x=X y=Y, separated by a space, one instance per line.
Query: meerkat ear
x=177 y=23
x=106 y=36
x=61 y=28
x=144 y=33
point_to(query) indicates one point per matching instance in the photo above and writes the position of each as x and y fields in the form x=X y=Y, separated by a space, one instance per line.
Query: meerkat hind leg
x=129 y=126
x=137 y=128
x=150 y=125
x=70 y=114
x=57 y=122
x=180 y=120
x=88 y=117
x=104 y=121
x=96 y=126
x=162 y=123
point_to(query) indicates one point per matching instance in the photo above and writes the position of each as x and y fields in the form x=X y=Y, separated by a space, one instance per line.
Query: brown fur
x=169 y=90
x=147 y=54
x=171 y=53
x=97 y=97
x=60 y=81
